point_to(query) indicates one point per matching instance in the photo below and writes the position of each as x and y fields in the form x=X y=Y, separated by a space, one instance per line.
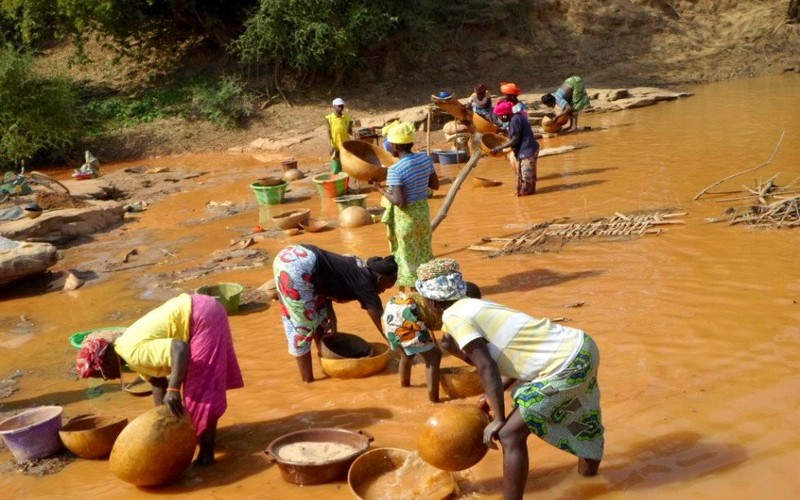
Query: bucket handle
x=370 y=437
x=269 y=457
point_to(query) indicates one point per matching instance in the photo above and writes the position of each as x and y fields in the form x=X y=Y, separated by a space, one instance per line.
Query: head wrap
x=441 y=279
x=338 y=102
x=385 y=266
x=510 y=89
x=503 y=108
x=90 y=358
x=402 y=133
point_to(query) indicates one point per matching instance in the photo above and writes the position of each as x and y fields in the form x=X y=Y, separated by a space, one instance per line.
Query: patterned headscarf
x=441 y=279
x=90 y=358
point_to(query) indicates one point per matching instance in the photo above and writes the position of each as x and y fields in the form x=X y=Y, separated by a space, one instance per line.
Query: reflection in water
x=698 y=326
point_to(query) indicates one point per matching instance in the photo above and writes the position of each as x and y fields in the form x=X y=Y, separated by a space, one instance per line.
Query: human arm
x=179 y=351
x=333 y=325
x=396 y=196
x=330 y=136
x=375 y=315
x=433 y=181
x=512 y=141
x=478 y=353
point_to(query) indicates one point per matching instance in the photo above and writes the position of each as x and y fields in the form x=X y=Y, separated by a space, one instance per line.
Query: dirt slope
x=611 y=43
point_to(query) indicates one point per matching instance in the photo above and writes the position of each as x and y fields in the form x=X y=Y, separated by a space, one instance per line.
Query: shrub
x=38 y=117
x=227 y=104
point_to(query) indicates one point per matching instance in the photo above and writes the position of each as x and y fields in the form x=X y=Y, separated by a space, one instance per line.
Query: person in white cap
x=340 y=128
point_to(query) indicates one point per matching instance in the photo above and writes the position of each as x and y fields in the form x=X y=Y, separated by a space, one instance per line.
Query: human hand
x=174 y=402
x=491 y=431
x=483 y=404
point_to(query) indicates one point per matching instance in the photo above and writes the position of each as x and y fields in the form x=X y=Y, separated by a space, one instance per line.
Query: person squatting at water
x=184 y=343
x=557 y=396
x=409 y=325
x=571 y=98
x=310 y=279
x=524 y=153
x=407 y=216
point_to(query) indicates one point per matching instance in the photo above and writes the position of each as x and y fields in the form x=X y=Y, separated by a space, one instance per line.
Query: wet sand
x=698 y=326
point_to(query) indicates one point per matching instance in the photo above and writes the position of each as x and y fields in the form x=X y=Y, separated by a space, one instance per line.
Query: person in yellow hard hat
x=407 y=216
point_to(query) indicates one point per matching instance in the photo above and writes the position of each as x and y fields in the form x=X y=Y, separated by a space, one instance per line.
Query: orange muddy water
x=699 y=327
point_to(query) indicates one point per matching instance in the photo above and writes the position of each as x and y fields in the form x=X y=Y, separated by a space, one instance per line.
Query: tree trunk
x=794 y=13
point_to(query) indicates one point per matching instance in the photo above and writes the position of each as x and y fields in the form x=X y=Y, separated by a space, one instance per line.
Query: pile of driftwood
x=548 y=235
x=772 y=206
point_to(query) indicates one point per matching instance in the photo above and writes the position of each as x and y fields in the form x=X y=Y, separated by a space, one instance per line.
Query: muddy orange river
x=699 y=326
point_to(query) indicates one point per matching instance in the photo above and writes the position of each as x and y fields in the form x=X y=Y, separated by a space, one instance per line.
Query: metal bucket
x=305 y=473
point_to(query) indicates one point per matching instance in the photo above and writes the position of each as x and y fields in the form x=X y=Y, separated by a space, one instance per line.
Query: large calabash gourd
x=155 y=448
x=355 y=217
x=452 y=438
x=551 y=126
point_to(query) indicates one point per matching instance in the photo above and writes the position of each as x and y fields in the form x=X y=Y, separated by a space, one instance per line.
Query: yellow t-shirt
x=340 y=128
x=146 y=345
x=523 y=347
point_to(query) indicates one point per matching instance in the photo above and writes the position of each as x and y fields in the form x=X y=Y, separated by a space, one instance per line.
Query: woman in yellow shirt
x=184 y=348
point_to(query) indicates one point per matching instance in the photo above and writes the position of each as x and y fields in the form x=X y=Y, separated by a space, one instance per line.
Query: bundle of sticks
x=773 y=206
x=543 y=236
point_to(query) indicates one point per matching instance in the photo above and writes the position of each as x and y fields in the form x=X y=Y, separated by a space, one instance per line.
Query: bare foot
x=588 y=467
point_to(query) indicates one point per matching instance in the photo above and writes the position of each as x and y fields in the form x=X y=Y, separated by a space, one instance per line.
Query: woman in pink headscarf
x=184 y=348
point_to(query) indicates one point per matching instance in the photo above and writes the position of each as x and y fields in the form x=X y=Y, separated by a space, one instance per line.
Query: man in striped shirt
x=556 y=395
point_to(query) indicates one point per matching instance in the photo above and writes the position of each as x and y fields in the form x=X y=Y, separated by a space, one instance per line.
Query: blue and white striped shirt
x=411 y=173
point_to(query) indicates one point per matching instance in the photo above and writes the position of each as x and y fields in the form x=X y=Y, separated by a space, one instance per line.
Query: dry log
x=774 y=152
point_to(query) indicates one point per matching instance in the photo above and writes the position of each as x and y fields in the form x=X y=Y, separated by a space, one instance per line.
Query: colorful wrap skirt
x=404 y=326
x=580 y=99
x=525 y=170
x=212 y=368
x=410 y=238
x=303 y=311
x=564 y=409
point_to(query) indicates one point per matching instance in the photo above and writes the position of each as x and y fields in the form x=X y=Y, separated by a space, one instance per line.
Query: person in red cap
x=524 y=148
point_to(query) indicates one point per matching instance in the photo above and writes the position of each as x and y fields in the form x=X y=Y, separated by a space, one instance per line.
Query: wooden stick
x=774 y=152
x=451 y=195
x=481 y=248
x=428 y=133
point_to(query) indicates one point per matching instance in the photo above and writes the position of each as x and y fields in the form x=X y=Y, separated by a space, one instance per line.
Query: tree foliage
x=314 y=36
x=145 y=24
x=37 y=116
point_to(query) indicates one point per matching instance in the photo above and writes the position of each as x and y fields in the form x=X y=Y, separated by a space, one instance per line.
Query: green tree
x=38 y=116
x=129 y=24
x=314 y=36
